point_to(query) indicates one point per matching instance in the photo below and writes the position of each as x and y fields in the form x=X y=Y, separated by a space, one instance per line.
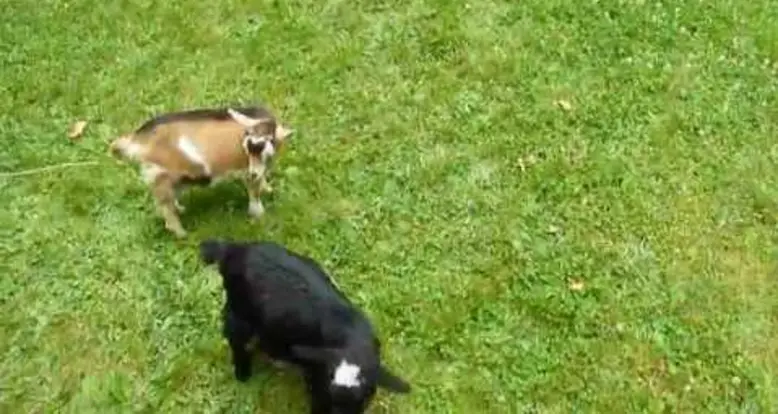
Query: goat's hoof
x=178 y=232
x=256 y=210
x=242 y=374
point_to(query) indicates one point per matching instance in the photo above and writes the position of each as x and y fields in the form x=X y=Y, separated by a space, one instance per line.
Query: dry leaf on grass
x=77 y=130
x=576 y=285
x=564 y=104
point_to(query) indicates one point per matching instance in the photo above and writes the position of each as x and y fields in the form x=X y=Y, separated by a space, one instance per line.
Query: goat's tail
x=125 y=147
x=212 y=251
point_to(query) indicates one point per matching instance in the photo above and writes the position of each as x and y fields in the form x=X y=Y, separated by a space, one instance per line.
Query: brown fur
x=219 y=141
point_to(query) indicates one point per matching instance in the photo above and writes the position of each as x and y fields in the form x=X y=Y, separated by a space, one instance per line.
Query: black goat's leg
x=238 y=334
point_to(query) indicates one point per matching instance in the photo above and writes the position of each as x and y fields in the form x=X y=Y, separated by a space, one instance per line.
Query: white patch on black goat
x=347 y=375
x=191 y=151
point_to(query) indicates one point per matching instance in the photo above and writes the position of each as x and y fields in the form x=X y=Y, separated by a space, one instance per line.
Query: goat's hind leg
x=238 y=334
x=167 y=205
x=318 y=404
x=275 y=356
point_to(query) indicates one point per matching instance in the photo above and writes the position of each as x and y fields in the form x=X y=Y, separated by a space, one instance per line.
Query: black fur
x=216 y=114
x=211 y=251
x=300 y=316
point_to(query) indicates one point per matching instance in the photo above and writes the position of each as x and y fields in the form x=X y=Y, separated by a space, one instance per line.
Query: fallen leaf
x=564 y=104
x=576 y=285
x=77 y=130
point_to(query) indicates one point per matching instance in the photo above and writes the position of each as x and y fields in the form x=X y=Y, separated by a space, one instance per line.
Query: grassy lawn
x=545 y=206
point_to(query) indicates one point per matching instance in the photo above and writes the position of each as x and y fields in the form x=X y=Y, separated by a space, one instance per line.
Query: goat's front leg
x=254 y=187
x=238 y=334
x=165 y=198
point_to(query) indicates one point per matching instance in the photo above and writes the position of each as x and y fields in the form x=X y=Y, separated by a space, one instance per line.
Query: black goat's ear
x=211 y=251
x=311 y=354
x=392 y=382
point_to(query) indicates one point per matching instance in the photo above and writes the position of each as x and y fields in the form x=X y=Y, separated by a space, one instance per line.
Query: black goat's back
x=290 y=298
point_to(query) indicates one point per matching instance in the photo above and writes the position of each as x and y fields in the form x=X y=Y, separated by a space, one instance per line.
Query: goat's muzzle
x=255 y=148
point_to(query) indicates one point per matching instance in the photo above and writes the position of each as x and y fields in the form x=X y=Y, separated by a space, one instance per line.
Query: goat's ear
x=308 y=353
x=282 y=132
x=243 y=119
x=392 y=382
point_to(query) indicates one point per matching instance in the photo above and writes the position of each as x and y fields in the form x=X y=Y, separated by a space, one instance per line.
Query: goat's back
x=292 y=297
x=217 y=137
x=200 y=115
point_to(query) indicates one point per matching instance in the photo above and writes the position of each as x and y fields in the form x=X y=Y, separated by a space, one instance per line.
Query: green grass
x=458 y=166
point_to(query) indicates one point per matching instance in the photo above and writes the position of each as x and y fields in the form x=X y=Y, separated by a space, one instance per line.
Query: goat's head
x=343 y=381
x=261 y=137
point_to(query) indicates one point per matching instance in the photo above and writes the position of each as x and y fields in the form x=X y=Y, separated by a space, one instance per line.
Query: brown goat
x=203 y=146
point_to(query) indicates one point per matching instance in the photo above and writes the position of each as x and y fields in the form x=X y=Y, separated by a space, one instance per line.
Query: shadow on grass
x=222 y=198
x=270 y=389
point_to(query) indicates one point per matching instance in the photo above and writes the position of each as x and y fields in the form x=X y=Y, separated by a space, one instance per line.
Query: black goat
x=289 y=302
